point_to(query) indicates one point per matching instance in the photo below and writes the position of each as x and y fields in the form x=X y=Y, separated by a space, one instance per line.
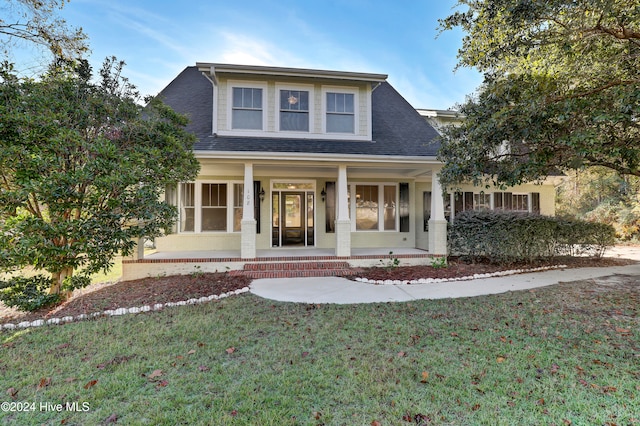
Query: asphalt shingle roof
x=398 y=129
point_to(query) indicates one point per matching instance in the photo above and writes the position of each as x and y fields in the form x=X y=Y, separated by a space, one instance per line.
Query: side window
x=187 y=207
x=426 y=209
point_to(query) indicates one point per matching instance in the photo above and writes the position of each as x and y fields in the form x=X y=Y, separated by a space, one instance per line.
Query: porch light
x=261 y=194
x=323 y=194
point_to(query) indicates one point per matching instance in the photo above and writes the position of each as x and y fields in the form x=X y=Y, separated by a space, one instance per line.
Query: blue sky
x=159 y=38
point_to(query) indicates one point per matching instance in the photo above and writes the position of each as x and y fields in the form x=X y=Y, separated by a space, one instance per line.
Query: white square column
x=249 y=223
x=437 y=221
x=343 y=223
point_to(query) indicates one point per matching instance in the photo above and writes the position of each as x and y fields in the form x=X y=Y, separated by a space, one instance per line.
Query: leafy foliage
x=600 y=195
x=82 y=168
x=27 y=294
x=561 y=90
x=507 y=237
x=36 y=21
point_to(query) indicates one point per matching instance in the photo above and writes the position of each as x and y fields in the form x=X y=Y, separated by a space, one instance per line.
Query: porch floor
x=282 y=253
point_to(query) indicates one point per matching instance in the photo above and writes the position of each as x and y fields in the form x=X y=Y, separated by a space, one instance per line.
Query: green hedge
x=506 y=237
x=27 y=293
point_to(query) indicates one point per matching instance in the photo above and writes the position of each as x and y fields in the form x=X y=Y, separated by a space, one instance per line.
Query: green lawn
x=569 y=354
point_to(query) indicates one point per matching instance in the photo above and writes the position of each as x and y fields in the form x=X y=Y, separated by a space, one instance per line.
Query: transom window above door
x=294 y=110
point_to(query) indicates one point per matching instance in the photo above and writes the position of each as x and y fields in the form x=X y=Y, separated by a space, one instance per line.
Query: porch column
x=138 y=250
x=437 y=222
x=249 y=224
x=343 y=224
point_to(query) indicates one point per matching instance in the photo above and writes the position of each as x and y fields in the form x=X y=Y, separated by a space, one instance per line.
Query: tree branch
x=593 y=91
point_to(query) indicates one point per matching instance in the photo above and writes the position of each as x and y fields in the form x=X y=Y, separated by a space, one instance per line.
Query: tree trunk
x=57 y=278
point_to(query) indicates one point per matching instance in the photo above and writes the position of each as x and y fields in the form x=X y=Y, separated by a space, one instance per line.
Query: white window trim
x=231 y=84
x=528 y=195
x=380 y=185
x=307 y=191
x=301 y=87
x=356 y=110
x=197 y=226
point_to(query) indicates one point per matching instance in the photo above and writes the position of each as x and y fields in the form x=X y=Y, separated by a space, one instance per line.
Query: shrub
x=507 y=237
x=27 y=293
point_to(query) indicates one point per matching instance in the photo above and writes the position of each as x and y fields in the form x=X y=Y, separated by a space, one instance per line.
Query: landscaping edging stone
x=120 y=311
x=205 y=299
x=467 y=278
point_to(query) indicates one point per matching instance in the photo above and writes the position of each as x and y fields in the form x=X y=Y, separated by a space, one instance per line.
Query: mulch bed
x=150 y=291
x=457 y=268
x=130 y=294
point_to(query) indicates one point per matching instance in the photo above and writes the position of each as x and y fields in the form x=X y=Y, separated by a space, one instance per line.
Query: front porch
x=279 y=262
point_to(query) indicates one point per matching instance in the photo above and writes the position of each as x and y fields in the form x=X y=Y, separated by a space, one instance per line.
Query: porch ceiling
x=319 y=170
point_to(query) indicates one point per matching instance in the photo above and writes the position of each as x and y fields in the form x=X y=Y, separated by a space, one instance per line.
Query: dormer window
x=340 y=112
x=294 y=110
x=247 y=108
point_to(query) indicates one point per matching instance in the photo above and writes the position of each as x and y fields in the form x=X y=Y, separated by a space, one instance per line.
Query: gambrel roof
x=397 y=128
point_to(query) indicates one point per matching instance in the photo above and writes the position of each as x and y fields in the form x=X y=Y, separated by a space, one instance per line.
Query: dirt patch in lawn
x=150 y=291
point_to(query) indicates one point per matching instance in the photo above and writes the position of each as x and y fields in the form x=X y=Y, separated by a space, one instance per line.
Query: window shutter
x=256 y=204
x=458 y=202
x=497 y=200
x=330 y=207
x=535 y=202
x=404 y=207
x=508 y=201
x=468 y=200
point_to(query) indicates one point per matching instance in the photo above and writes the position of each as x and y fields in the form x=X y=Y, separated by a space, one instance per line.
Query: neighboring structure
x=525 y=198
x=298 y=158
x=439 y=118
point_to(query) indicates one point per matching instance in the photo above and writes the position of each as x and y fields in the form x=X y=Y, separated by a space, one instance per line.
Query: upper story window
x=340 y=112
x=247 y=108
x=294 y=110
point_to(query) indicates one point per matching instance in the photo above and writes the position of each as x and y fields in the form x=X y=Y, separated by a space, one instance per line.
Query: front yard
x=566 y=355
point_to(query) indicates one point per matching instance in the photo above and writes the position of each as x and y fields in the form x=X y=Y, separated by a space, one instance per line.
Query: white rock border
x=467 y=278
x=121 y=311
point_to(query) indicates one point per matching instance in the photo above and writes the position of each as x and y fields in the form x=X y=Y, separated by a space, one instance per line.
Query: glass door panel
x=293 y=223
x=275 y=225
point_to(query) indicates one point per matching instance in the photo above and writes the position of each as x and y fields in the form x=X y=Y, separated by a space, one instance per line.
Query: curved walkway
x=344 y=291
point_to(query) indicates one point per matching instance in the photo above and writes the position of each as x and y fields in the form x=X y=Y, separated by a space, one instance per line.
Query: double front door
x=292 y=218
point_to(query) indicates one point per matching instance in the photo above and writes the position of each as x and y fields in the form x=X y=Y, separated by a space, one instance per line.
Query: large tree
x=37 y=21
x=82 y=169
x=561 y=89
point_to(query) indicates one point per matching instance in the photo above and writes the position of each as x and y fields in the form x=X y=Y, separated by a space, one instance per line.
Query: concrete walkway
x=344 y=291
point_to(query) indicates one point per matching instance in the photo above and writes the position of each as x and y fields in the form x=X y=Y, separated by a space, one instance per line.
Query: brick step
x=294 y=266
x=291 y=273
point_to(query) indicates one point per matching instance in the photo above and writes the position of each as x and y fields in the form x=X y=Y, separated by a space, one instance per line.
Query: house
x=302 y=164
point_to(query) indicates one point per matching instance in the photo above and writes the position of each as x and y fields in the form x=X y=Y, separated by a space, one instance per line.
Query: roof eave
x=215 y=68
x=254 y=155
